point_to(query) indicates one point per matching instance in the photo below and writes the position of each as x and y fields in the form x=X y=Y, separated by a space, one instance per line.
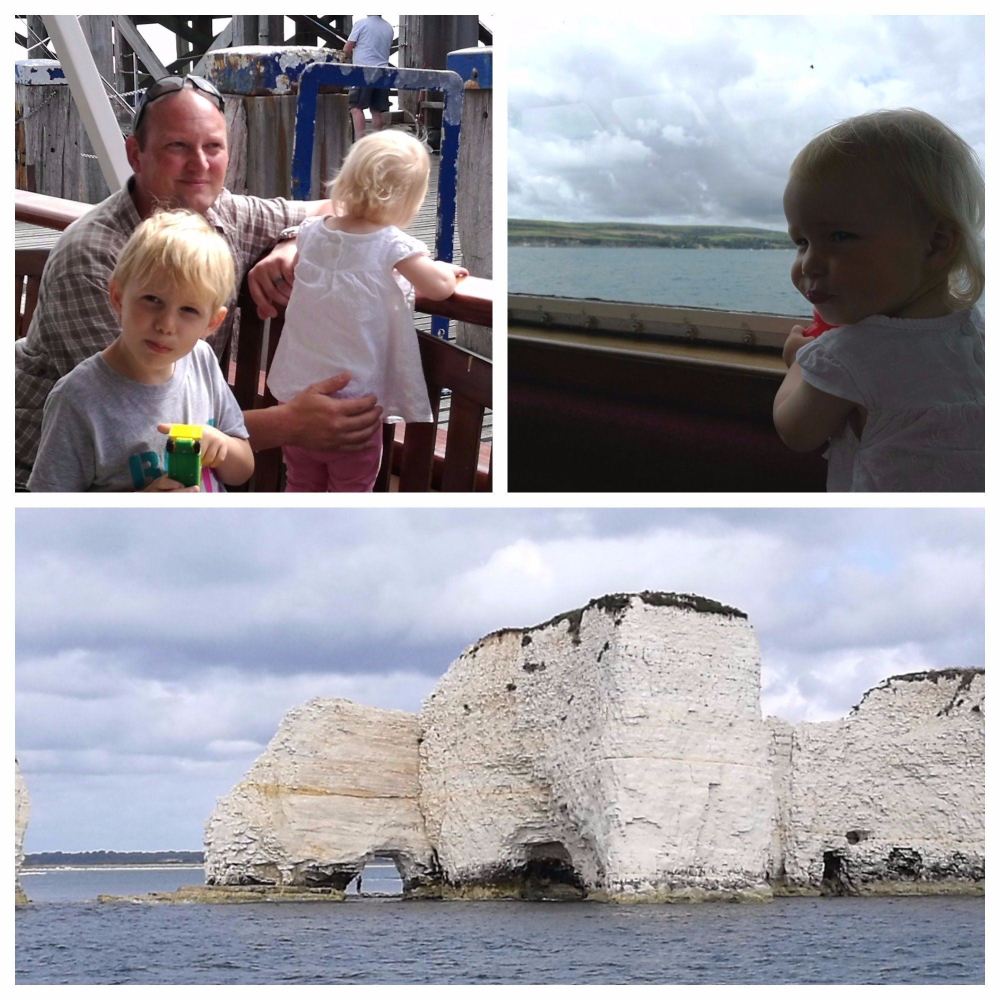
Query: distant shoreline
x=160 y=866
x=542 y=233
x=111 y=859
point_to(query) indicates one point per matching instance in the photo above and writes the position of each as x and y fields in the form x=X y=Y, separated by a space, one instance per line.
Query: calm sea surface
x=739 y=280
x=63 y=938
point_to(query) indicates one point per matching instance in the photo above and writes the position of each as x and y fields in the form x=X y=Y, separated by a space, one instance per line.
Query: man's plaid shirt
x=74 y=318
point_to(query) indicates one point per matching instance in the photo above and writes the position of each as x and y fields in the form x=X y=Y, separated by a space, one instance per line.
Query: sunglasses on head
x=171 y=85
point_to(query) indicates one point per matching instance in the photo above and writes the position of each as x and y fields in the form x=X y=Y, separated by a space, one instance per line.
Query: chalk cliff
x=618 y=749
x=618 y=752
x=336 y=785
x=22 y=811
x=892 y=794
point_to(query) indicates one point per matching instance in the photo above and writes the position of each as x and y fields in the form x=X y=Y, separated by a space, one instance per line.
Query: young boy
x=104 y=423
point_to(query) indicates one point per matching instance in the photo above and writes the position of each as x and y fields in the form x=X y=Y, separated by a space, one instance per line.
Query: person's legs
x=305 y=470
x=355 y=471
x=358 y=117
x=379 y=103
x=358 y=99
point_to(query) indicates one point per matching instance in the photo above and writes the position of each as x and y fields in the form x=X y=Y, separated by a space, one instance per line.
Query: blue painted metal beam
x=255 y=70
x=450 y=84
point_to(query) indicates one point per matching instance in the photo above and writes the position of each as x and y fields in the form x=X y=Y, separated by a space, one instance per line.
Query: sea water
x=384 y=940
x=737 y=280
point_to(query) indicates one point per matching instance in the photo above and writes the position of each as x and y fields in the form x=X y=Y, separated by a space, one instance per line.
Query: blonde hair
x=383 y=179
x=938 y=171
x=183 y=248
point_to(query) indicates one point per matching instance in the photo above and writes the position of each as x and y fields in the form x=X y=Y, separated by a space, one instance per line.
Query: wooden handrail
x=472 y=301
x=44 y=210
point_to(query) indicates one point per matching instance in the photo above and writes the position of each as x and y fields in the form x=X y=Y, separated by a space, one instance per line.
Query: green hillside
x=534 y=232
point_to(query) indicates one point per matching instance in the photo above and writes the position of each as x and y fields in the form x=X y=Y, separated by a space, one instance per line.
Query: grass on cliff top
x=536 y=232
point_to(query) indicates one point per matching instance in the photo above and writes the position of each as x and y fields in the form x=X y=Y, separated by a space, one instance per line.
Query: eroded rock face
x=22 y=811
x=618 y=750
x=336 y=786
x=893 y=793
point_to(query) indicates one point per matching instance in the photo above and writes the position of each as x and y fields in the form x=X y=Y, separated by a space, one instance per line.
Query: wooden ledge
x=44 y=210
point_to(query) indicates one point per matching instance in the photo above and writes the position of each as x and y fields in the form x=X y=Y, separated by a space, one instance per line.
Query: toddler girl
x=351 y=307
x=887 y=213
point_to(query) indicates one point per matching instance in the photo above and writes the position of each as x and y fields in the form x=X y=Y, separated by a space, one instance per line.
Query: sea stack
x=22 y=811
x=617 y=752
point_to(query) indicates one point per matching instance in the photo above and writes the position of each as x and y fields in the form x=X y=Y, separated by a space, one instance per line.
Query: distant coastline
x=113 y=859
x=542 y=233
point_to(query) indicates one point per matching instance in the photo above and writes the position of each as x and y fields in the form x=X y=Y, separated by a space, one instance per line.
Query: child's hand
x=460 y=272
x=214 y=447
x=214 y=444
x=167 y=485
x=793 y=342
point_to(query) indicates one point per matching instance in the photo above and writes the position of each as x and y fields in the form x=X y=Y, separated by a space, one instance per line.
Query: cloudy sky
x=158 y=650
x=694 y=120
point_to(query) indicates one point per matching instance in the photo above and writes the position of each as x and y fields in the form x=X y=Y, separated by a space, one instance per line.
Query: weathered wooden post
x=475 y=180
x=54 y=155
x=260 y=83
x=425 y=41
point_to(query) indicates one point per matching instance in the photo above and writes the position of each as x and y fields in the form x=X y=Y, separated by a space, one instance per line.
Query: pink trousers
x=308 y=471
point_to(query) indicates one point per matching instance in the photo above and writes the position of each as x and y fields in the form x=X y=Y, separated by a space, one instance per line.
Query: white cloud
x=731 y=98
x=114 y=694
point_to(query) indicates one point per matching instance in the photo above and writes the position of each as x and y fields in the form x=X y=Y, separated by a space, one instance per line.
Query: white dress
x=350 y=311
x=922 y=383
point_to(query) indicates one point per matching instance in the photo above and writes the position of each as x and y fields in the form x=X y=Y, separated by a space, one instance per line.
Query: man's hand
x=793 y=342
x=270 y=280
x=326 y=424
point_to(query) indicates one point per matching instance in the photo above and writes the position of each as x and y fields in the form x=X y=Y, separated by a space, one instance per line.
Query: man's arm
x=72 y=320
x=270 y=279
x=349 y=51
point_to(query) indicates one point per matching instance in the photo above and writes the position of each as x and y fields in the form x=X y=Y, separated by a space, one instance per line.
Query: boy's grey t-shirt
x=99 y=427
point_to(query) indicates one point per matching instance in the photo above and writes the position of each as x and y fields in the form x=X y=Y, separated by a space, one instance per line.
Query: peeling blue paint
x=474 y=66
x=254 y=70
x=38 y=72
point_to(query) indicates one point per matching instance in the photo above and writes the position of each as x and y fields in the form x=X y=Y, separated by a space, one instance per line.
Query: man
x=369 y=44
x=179 y=154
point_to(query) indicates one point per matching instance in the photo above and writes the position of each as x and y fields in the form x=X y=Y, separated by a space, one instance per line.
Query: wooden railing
x=44 y=210
x=606 y=396
x=417 y=457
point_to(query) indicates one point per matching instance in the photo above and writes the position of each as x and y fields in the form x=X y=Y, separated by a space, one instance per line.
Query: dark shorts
x=375 y=98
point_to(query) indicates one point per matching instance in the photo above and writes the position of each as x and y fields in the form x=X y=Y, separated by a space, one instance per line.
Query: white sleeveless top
x=350 y=311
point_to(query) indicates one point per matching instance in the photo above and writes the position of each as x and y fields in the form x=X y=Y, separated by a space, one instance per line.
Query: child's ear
x=220 y=315
x=115 y=294
x=943 y=244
